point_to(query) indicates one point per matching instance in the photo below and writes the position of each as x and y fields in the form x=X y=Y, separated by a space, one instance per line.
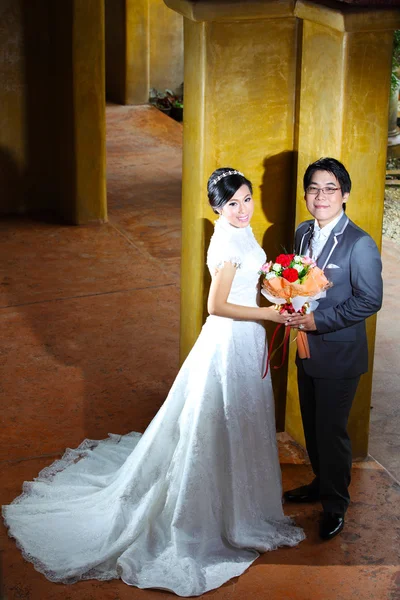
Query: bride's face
x=239 y=209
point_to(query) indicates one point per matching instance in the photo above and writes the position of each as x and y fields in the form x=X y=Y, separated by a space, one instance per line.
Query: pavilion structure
x=269 y=86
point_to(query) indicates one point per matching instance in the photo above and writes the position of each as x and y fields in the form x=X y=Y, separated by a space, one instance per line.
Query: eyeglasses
x=312 y=190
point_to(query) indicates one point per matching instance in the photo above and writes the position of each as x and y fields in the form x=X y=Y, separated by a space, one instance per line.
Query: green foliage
x=165 y=99
x=395 y=80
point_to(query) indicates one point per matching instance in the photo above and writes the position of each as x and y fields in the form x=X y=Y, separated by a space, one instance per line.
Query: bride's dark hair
x=223 y=184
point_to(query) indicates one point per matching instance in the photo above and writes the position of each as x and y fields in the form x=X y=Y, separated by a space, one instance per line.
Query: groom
x=328 y=380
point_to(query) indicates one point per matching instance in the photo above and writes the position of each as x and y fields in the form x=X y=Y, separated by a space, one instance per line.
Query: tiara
x=214 y=181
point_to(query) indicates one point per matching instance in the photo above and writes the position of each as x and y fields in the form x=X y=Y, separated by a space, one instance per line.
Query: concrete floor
x=90 y=318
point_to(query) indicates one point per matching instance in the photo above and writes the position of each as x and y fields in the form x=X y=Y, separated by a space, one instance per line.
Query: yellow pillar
x=79 y=112
x=115 y=50
x=18 y=70
x=166 y=46
x=52 y=126
x=343 y=107
x=137 y=52
x=127 y=51
x=88 y=155
x=144 y=49
x=240 y=74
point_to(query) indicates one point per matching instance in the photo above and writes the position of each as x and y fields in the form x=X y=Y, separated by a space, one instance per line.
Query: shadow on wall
x=37 y=99
x=278 y=201
x=11 y=184
x=208 y=230
x=51 y=169
x=37 y=162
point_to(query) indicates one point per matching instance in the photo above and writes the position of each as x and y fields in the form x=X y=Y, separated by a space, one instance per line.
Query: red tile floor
x=89 y=345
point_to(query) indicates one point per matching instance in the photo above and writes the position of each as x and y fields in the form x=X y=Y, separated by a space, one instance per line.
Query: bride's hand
x=271 y=314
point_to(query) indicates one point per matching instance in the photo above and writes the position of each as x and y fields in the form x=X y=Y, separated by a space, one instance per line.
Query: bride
x=190 y=503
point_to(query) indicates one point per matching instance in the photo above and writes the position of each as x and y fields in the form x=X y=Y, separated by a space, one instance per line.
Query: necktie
x=317 y=243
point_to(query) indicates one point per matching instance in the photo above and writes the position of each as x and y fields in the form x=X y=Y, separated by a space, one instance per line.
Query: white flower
x=270 y=275
x=297 y=259
x=298 y=268
x=276 y=267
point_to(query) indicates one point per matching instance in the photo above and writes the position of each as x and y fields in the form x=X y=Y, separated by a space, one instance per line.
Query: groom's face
x=325 y=206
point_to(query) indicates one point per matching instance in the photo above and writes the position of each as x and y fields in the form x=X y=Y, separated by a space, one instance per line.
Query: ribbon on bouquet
x=300 y=304
x=303 y=348
x=272 y=351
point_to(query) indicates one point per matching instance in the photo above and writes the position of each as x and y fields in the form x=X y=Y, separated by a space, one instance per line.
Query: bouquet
x=293 y=283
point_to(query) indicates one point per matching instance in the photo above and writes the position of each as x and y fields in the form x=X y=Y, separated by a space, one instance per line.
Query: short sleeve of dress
x=219 y=253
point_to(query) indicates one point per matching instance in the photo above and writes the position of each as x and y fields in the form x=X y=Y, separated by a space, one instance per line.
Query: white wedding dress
x=190 y=503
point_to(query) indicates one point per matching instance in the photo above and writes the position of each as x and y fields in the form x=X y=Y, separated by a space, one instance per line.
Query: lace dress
x=190 y=503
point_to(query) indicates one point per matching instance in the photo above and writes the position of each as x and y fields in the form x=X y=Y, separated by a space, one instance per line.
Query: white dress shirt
x=320 y=236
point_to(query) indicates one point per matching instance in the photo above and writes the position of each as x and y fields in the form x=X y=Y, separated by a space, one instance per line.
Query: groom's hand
x=302 y=322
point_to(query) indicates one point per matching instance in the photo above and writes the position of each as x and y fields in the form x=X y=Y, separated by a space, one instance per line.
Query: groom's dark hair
x=332 y=166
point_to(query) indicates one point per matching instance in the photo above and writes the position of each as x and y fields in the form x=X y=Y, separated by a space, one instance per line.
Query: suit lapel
x=332 y=242
x=305 y=239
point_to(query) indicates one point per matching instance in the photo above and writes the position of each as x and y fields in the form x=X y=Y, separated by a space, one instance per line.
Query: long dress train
x=193 y=501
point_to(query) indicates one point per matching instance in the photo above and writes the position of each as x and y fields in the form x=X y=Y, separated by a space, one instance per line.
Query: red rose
x=290 y=275
x=284 y=259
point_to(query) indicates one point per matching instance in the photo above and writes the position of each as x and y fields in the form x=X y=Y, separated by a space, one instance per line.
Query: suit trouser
x=325 y=407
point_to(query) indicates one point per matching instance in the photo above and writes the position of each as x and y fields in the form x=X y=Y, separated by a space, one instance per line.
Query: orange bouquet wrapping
x=293 y=283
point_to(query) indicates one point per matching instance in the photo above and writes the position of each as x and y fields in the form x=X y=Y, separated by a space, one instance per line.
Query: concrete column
x=240 y=84
x=115 y=50
x=26 y=181
x=137 y=56
x=343 y=106
x=166 y=46
x=127 y=51
x=144 y=49
x=52 y=126
x=79 y=124
x=89 y=103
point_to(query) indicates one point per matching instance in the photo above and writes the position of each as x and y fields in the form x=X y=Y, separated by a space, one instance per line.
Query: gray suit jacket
x=350 y=260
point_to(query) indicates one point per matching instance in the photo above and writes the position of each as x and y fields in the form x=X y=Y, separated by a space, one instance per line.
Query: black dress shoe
x=304 y=493
x=331 y=524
